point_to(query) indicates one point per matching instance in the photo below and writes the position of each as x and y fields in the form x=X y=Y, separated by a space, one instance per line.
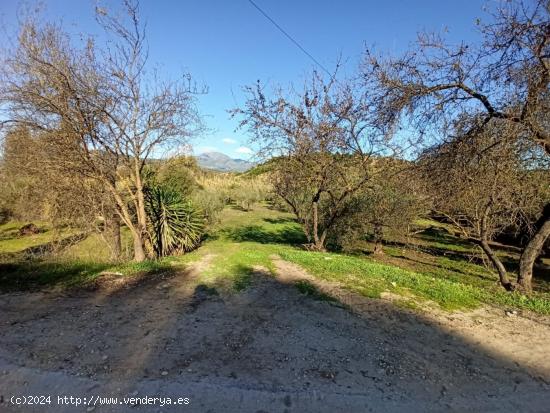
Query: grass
x=370 y=278
x=244 y=240
x=29 y=275
x=75 y=265
x=63 y=273
x=12 y=243
x=95 y=249
x=436 y=268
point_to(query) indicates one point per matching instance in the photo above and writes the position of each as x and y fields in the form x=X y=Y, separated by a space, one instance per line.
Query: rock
x=164 y=373
x=511 y=313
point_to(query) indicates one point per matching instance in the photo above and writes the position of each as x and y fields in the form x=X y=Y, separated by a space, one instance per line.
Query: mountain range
x=221 y=162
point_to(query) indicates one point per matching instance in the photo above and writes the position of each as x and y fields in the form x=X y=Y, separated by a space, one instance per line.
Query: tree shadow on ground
x=434 y=267
x=33 y=275
x=464 y=256
x=36 y=274
x=541 y=272
x=441 y=236
x=280 y=220
x=239 y=208
x=270 y=347
x=256 y=233
x=53 y=246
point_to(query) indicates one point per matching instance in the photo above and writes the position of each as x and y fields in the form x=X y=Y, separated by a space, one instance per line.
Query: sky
x=226 y=45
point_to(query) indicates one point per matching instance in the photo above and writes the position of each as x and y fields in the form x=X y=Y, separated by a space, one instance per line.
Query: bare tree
x=482 y=182
x=106 y=113
x=324 y=139
x=506 y=79
x=35 y=186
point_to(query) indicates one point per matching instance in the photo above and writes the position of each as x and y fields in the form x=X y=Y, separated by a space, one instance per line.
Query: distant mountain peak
x=221 y=162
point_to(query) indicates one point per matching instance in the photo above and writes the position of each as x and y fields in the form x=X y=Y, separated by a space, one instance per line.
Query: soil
x=268 y=348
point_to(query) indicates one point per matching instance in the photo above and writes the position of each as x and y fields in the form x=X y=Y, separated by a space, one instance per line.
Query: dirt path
x=268 y=348
x=525 y=340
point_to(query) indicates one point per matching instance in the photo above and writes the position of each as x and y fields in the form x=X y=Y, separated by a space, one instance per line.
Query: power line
x=290 y=37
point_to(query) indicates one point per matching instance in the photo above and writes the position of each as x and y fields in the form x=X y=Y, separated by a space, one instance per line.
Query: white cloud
x=229 y=141
x=205 y=149
x=244 y=150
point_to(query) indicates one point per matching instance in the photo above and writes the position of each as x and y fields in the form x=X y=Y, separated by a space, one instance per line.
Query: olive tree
x=387 y=207
x=503 y=79
x=35 y=187
x=485 y=183
x=105 y=112
x=323 y=138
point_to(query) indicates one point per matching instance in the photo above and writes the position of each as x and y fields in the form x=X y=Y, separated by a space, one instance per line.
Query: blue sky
x=228 y=44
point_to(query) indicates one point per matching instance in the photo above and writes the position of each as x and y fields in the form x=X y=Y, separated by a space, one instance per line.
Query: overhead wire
x=296 y=43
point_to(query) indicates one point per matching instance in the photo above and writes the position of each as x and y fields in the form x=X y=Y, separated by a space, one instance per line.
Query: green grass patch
x=370 y=279
x=453 y=283
x=233 y=263
x=243 y=278
x=94 y=248
x=245 y=240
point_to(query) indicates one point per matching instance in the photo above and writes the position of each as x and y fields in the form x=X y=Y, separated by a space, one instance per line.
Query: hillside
x=220 y=162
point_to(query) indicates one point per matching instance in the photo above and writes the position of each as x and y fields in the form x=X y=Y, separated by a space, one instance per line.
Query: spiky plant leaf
x=175 y=225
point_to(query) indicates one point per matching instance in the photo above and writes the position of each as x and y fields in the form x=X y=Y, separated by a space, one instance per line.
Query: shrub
x=175 y=225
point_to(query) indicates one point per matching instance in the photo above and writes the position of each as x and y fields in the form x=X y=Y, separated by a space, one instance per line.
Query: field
x=434 y=267
x=250 y=317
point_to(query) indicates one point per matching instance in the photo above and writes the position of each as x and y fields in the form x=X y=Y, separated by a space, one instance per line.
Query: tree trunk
x=318 y=242
x=533 y=249
x=503 y=277
x=139 y=250
x=378 y=236
x=315 y=223
x=145 y=248
x=112 y=228
x=126 y=217
x=484 y=243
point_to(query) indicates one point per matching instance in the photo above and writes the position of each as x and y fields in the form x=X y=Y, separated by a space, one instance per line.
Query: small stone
x=164 y=373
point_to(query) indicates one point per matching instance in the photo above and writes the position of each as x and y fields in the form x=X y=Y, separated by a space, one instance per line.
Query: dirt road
x=268 y=348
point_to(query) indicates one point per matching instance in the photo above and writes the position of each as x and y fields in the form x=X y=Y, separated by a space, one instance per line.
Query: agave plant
x=175 y=226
